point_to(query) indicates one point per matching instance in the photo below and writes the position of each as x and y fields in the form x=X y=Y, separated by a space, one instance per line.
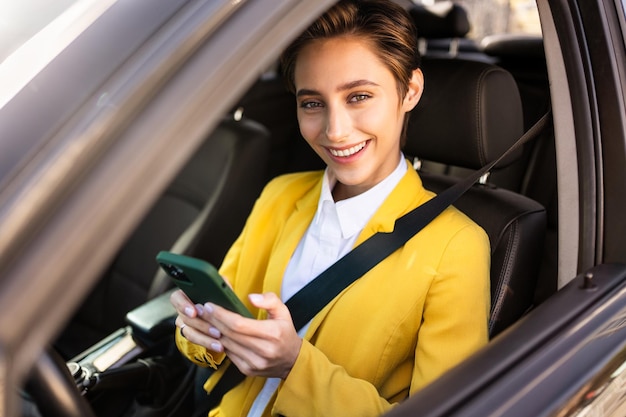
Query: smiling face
x=349 y=111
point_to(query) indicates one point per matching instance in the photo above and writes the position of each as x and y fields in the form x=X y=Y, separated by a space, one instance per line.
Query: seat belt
x=312 y=298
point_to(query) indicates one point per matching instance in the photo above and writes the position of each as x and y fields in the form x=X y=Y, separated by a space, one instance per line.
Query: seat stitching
x=505 y=273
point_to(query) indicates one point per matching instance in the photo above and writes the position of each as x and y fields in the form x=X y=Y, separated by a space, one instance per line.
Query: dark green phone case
x=200 y=281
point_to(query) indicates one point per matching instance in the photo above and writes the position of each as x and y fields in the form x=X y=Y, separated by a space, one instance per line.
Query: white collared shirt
x=334 y=230
x=331 y=235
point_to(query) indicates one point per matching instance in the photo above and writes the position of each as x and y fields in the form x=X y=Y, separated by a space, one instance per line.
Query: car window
x=21 y=20
x=488 y=17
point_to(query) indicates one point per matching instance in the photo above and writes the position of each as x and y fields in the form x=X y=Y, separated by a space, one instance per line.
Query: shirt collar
x=354 y=213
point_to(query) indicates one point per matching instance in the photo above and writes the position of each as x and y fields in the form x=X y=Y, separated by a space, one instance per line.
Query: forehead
x=339 y=60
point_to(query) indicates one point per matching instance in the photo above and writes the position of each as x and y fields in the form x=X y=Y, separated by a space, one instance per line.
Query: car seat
x=200 y=214
x=524 y=57
x=469 y=114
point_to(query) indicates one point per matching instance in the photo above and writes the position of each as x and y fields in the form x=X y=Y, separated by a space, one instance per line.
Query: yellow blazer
x=413 y=316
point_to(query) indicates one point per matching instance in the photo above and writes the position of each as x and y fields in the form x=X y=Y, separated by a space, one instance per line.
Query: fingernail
x=208 y=307
x=217 y=347
x=256 y=298
x=199 y=309
x=189 y=311
x=214 y=332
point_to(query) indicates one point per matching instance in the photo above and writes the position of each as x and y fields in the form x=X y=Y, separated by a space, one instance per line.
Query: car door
x=568 y=356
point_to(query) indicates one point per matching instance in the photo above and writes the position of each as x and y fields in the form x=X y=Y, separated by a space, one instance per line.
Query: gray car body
x=88 y=142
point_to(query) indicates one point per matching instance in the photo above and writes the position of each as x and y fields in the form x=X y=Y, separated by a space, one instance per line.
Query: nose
x=338 y=124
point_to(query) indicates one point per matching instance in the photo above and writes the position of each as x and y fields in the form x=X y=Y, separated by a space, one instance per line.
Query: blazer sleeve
x=456 y=311
x=198 y=354
x=454 y=325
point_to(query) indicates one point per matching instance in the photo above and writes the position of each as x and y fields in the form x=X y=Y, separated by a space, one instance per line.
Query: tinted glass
x=488 y=17
x=21 y=20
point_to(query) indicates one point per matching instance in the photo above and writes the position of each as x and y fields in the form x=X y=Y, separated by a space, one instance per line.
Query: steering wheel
x=52 y=387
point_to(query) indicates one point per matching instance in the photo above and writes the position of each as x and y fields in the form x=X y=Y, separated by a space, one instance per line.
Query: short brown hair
x=383 y=23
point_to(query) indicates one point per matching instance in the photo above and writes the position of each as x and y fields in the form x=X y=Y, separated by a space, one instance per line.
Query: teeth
x=349 y=151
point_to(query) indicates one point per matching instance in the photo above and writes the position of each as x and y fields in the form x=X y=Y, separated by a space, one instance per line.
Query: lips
x=344 y=153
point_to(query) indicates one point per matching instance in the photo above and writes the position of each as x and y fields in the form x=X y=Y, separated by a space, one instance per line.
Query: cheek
x=376 y=120
x=310 y=126
x=391 y=117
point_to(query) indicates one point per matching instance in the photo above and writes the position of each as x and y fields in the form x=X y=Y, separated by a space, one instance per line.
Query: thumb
x=270 y=302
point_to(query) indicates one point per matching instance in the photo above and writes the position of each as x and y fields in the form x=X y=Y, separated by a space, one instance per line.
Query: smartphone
x=200 y=281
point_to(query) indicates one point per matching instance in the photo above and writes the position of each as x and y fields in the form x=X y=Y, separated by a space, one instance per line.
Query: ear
x=414 y=93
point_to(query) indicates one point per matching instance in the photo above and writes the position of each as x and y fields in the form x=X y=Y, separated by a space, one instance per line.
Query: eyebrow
x=342 y=87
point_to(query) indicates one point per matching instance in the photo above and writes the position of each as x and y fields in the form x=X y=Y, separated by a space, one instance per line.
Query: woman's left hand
x=267 y=348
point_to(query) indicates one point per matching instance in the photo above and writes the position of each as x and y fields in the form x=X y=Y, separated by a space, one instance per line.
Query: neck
x=343 y=192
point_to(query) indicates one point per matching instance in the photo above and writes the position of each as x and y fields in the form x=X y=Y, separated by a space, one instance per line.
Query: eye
x=355 y=98
x=310 y=104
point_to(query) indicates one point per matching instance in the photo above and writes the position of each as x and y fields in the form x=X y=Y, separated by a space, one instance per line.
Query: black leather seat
x=200 y=214
x=469 y=114
x=524 y=57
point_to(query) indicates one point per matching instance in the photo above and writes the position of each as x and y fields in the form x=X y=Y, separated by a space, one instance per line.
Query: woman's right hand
x=193 y=327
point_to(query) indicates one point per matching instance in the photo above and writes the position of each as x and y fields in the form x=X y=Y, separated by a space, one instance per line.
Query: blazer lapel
x=407 y=195
x=293 y=229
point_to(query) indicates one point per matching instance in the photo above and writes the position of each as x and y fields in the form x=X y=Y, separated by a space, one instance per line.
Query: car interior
x=479 y=98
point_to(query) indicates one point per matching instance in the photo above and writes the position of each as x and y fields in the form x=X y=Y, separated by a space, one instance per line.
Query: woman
x=355 y=74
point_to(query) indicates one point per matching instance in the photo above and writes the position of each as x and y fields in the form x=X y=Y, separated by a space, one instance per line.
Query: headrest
x=469 y=114
x=514 y=46
x=441 y=20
